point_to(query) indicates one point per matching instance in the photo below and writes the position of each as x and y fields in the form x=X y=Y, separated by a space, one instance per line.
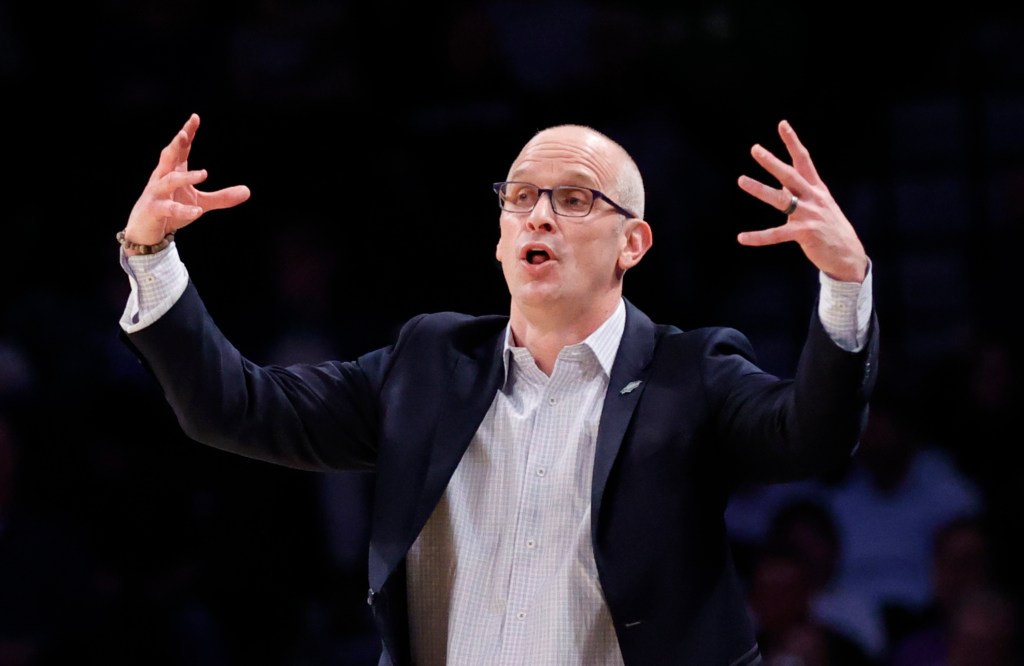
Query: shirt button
x=541 y=471
x=552 y=401
x=530 y=543
x=521 y=615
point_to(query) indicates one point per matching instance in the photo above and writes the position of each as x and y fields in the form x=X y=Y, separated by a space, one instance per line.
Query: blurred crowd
x=121 y=542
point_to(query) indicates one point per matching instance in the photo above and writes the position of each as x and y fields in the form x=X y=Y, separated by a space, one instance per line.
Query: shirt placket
x=531 y=540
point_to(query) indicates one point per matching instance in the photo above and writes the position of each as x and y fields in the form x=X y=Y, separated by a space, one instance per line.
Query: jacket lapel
x=474 y=381
x=466 y=391
x=625 y=386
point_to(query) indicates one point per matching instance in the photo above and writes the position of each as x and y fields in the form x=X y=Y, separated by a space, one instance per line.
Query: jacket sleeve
x=783 y=430
x=306 y=416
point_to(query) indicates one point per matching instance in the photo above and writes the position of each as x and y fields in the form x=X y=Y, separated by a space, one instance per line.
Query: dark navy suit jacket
x=703 y=418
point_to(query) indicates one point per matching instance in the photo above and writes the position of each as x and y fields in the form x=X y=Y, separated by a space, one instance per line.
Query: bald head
x=601 y=152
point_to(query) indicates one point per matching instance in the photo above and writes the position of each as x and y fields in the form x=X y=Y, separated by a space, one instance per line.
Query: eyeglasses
x=566 y=200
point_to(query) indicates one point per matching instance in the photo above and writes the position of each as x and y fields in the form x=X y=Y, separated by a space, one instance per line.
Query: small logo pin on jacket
x=630 y=386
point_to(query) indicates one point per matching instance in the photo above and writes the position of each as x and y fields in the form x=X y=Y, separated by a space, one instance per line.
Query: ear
x=638 y=239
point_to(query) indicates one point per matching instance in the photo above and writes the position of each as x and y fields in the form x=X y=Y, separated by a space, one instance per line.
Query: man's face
x=560 y=262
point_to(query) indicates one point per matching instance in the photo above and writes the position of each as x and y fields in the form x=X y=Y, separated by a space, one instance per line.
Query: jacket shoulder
x=463 y=331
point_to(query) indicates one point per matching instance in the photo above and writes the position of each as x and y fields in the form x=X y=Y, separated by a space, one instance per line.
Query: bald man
x=550 y=483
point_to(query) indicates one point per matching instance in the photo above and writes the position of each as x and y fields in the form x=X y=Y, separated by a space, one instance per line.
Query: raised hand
x=170 y=199
x=813 y=218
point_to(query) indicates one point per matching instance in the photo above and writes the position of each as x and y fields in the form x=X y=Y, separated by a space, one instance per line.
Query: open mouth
x=536 y=256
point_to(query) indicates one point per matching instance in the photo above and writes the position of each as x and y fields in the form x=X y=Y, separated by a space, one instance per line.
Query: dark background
x=369 y=134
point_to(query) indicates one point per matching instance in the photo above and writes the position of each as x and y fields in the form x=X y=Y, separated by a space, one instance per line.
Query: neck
x=545 y=333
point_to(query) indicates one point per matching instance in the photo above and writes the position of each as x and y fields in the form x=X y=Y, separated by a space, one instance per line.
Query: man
x=550 y=485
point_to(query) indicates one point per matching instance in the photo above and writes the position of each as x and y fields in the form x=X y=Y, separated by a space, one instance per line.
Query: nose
x=543 y=214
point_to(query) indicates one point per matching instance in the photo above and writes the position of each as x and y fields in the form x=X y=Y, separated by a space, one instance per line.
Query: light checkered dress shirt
x=503 y=573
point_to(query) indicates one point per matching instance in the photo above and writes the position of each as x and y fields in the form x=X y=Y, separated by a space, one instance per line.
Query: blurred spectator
x=985 y=631
x=807 y=643
x=779 y=597
x=978 y=392
x=888 y=508
x=961 y=565
x=807 y=528
x=750 y=513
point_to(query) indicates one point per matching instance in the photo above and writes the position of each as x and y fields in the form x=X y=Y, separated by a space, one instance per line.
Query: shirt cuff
x=157 y=282
x=845 y=310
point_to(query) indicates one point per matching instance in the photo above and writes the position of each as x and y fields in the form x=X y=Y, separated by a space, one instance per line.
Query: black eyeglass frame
x=551 y=192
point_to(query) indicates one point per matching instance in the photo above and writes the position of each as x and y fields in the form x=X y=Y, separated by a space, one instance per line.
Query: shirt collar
x=603 y=342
